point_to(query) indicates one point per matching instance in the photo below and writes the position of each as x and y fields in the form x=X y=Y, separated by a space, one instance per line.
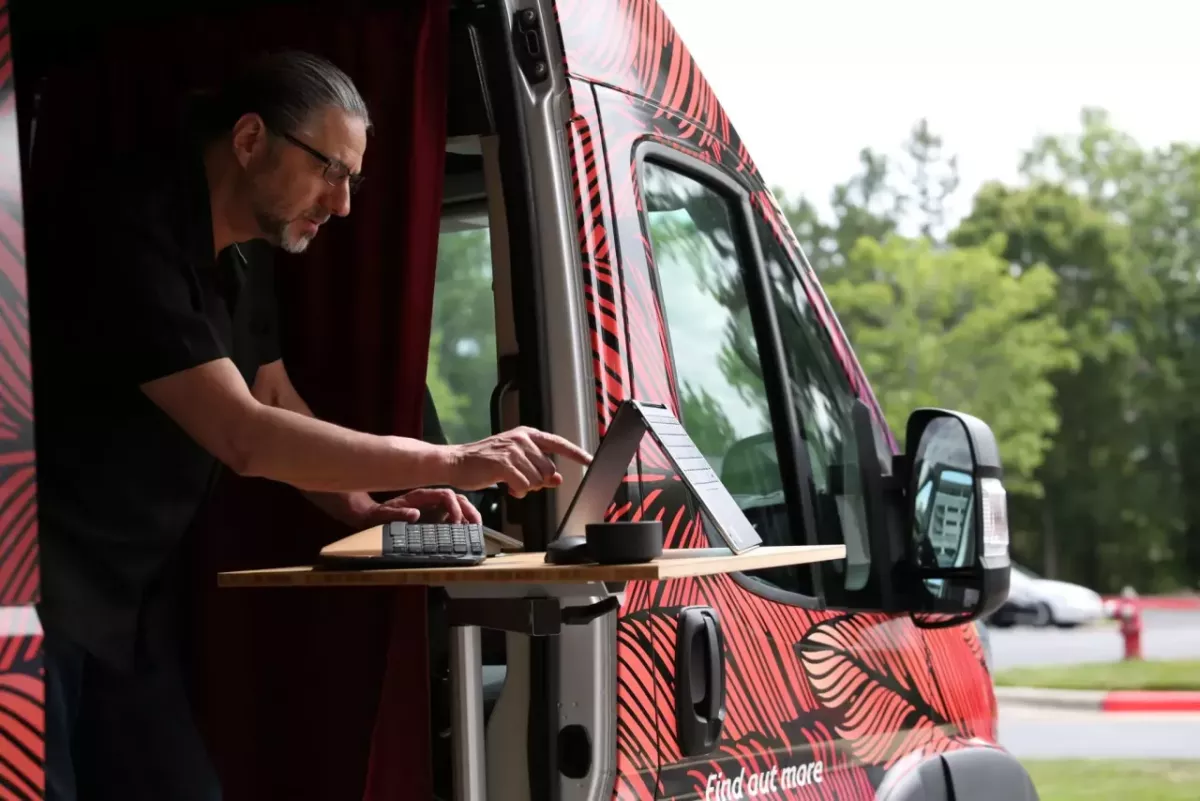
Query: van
x=559 y=217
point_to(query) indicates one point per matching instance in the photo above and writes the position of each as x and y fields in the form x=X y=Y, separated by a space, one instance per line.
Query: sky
x=846 y=74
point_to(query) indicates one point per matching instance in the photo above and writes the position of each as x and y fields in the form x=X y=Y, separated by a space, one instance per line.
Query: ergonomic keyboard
x=417 y=545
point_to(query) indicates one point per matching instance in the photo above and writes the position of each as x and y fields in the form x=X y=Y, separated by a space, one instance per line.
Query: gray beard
x=275 y=231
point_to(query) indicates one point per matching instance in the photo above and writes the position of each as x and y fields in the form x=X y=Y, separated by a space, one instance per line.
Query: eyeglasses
x=335 y=171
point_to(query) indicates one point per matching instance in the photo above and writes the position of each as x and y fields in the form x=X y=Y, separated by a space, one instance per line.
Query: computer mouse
x=568 y=551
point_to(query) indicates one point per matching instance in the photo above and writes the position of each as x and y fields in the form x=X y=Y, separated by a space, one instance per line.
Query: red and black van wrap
x=22 y=716
x=858 y=693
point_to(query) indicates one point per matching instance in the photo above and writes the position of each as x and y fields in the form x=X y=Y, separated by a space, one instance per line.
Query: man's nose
x=337 y=200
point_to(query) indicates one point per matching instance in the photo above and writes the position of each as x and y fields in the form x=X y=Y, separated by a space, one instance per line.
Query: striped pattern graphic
x=637 y=764
x=865 y=695
x=879 y=680
x=598 y=254
x=18 y=499
x=22 y=700
x=22 y=706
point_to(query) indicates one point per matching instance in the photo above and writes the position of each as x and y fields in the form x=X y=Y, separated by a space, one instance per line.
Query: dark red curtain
x=306 y=693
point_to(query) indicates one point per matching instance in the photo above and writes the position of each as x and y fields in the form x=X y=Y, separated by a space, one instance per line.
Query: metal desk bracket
x=533 y=617
x=541 y=610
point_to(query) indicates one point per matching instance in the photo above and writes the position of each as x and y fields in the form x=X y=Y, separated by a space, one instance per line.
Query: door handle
x=699 y=680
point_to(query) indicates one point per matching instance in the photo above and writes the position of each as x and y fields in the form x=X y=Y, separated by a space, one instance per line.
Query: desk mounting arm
x=533 y=617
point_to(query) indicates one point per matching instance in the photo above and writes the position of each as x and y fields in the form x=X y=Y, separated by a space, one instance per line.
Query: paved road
x=1031 y=733
x=1167 y=635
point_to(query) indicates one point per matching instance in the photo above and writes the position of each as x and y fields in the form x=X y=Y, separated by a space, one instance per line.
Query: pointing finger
x=552 y=443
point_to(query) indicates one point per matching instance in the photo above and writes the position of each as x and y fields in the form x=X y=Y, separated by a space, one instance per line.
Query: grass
x=1114 y=780
x=1147 y=675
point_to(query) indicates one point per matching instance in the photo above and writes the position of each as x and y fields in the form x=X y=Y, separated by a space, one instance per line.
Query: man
x=157 y=363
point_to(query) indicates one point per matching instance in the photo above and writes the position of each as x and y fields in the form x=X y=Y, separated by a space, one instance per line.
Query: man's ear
x=249 y=138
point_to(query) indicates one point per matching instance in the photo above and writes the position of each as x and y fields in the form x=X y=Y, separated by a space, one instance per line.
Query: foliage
x=1107 y=420
x=708 y=425
x=1155 y=193
x=955 y=328
x=462 y=358
x=1090 y=475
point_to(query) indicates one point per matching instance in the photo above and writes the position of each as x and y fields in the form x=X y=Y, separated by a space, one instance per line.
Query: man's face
x=288 y=191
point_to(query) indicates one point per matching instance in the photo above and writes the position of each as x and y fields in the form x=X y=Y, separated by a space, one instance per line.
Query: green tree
x=864 y=206
x=1094 y=484
x=462 y=358
x=1156 y=192
x=707 y=424
x=931 y=177
x=956 y=328
x=448 y=403
x=696 y=236
x=877 y=199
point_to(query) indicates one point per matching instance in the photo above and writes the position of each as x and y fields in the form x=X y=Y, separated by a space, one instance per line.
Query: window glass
x=462 y=344
x=718 y=372
x=700 y=272
x=821 y=393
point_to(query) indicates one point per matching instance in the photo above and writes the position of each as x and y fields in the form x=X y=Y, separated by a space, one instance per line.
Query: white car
x=1050 y=602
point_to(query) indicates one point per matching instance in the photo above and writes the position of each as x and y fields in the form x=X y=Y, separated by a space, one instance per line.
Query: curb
x=1101 y=700
x=1152 y=702
x=1086 y=700
x=1171 y=603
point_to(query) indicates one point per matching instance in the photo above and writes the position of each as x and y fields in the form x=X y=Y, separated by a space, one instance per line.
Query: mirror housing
x=956 y=563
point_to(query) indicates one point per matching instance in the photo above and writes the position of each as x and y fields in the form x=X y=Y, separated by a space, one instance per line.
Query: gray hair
x=285 y=89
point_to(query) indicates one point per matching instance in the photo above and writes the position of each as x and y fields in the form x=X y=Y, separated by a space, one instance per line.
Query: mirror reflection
x=944 y=508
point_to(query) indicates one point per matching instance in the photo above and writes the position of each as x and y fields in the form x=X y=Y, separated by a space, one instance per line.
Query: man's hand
x=423 y=505
x=519 y=458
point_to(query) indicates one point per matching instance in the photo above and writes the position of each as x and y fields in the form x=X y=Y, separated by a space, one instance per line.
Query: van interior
x=324 y=693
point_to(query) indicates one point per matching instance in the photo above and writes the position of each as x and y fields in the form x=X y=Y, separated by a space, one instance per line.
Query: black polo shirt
x=125 y=288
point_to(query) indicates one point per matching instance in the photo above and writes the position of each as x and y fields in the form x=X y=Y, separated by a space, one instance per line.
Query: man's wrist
x=436 y=465
x=348 y=508
x=358 y=507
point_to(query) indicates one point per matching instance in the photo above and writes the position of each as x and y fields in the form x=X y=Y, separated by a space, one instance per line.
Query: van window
x=699 y=270
x=822 y=396
x=718 y=373
x=462 y=343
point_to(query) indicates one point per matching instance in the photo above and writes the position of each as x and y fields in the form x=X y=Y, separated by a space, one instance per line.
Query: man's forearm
x=314 y=455
x=347 y=507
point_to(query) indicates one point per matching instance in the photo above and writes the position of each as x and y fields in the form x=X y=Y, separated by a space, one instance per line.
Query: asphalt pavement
x=1037 y=733
x=1166 y=635
x=1030 y=731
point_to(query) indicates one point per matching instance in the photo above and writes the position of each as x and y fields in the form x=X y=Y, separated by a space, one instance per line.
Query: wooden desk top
x=530 y=568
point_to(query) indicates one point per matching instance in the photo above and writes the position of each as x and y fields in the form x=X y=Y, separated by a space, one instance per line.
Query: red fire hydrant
x=1129 y=611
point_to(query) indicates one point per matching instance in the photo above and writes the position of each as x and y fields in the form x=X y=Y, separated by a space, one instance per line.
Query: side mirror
x=956 y=518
